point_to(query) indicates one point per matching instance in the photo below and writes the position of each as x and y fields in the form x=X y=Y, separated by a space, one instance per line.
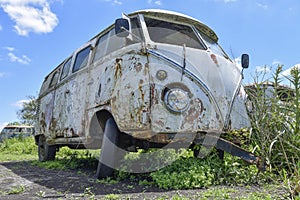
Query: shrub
x=19 y=146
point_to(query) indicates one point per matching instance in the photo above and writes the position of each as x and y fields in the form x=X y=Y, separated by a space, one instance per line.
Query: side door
x=72 y=94
x=46 y=103
x=60 y=110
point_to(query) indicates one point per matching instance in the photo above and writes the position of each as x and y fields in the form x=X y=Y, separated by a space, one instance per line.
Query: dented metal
x=128 y=79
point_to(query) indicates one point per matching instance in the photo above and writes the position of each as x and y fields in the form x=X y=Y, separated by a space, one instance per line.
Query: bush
x=187 y=172
x=19 y=146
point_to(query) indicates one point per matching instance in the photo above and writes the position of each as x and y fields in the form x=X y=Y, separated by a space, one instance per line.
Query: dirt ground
x=22 y=180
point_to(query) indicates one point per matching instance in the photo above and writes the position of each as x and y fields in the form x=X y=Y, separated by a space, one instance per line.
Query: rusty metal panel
x=130 y=101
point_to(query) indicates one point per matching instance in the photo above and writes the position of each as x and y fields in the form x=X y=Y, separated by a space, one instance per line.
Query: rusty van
x=151 y=79
x=16 y=131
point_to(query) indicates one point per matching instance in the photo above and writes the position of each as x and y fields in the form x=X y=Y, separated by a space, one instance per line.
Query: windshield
x=172 y=33
x=213 y=46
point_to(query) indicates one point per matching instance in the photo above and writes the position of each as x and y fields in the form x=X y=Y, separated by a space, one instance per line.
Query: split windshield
x=171 y=33
x=179 y=34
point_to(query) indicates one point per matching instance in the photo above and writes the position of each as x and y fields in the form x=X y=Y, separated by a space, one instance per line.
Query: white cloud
x=1 y=28
x=20 y=103
x=288 y=71
x=263 y=6
x=30 y=15
x=9 y=48
x=276 y=63
x=14 y=58
x=228 y=1
x=2 y=74
x=158 y=2
x=117 y=2
x=114 y=2
x=22 y=60
x=262 y=69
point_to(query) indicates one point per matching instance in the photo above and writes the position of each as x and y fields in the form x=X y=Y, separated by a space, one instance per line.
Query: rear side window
x=65 y=69
x=54 y=79
x=81 y=59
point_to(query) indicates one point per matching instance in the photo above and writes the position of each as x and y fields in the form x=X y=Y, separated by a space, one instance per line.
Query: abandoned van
x=153 y=79
x=16 y=131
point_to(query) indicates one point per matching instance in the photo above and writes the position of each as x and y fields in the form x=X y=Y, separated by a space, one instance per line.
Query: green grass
x=67 y=158
x=18 y=149
x=16 y=190
x=187 y=172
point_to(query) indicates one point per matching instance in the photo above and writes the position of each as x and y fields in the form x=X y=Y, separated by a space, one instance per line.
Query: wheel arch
x=97 y=127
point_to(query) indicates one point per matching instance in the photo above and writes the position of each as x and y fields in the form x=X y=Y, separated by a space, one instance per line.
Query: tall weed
x=275 y=117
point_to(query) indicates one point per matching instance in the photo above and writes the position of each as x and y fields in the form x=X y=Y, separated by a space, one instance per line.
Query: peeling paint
x=138 y=67
x=118 y=70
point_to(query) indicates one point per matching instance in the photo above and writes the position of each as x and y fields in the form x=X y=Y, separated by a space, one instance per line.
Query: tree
x=28 y=111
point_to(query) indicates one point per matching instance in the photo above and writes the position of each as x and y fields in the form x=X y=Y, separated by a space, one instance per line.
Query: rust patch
x=146 y=69
x=214 y=58
x=153 y=98
x=141 y=90
x=53 y=124
x=138 y=67
x=217 y=116
x=196 y=110
x=118 y=66
x=160 y=123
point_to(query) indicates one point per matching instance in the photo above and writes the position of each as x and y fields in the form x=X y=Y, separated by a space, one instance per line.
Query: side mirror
x=245 y=61
x=122 y=27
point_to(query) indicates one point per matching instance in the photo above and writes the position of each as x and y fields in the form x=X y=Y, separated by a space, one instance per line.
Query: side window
x=66 y=69
x=136 y=30
x=45 y=85
x=108 y=43
x=81 y=59
x=54 y=79
x=101 y=46
x=115 y=42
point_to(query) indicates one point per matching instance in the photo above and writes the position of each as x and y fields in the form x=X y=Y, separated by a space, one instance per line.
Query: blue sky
x=36 y=35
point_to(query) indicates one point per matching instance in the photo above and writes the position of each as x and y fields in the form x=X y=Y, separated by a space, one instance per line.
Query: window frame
x=54 y=78
x=106 y=39
x=188 y=27
x=86 y=59
x=69 y=62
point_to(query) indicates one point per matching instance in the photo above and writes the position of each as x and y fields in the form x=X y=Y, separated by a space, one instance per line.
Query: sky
x=36 y=35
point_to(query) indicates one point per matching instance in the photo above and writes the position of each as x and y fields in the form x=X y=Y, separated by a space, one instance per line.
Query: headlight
x=177 y=99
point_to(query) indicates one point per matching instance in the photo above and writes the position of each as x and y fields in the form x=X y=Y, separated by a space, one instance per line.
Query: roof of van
x=179 y=17
x=18 y=126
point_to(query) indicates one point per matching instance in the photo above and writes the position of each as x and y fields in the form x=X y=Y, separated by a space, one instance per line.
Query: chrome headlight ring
x=177 y=99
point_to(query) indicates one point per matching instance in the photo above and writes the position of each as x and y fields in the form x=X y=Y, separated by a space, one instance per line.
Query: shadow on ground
x=43 y=182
